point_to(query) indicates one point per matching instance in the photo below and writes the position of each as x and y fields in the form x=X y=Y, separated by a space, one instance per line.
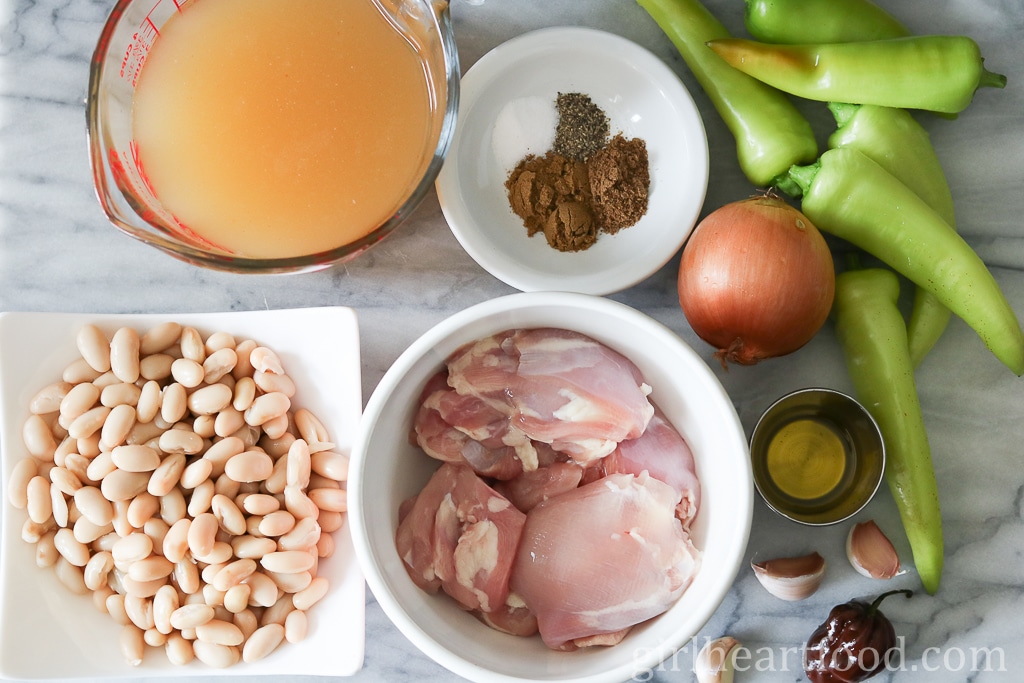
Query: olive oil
x=817 y=456
x=808 y=458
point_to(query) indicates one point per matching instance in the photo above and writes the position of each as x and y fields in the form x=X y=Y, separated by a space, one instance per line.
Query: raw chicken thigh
x=564 y=498
x=663 y=453
x=461 y=536
x=603 y=557
x=557 y=387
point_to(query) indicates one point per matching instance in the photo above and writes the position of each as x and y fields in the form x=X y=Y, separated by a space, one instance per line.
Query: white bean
x=252 y=547
x=181 y=441
x=228 y=515
x=118 y=425
x=132 y=548
x=150 y=398
x=133 y=645
x=312 y=594
x=93 y=505
x=216 y=655
x=296 y=626
x=123 y=485
x=119 y=394
x=249 y=466
x=330 y=464
x=191 y=616
x=71 y=576
x=48 y=399
x=262 y=642
x=187 y=373
x=70 y=548
x=97 y=569
x=287 y=561
x=266 y=407
x=94 y=347
x=173 y=403
x=167 y=474
x=179 y=651
x=88 y=423
x=191 y=343
x=210 y=399
x=38 y=438
x=159 y=338
x=17 y=487
x=270 y=382
x=219 y=363
x=135 y=458
x=156 y=366
x=124 y=354
x=78 y=400
x=39 y=506
x=46 y=551
x=244 y=394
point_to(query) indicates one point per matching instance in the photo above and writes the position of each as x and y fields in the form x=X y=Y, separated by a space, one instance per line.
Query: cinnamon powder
x=571 y=202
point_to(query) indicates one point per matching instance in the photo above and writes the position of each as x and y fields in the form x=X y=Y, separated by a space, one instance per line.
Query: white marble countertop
x=58 y=253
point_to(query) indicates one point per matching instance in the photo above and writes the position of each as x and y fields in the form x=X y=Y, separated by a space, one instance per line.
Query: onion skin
x=756 y=280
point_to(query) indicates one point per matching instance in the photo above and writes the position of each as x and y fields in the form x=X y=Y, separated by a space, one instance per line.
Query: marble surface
x=58 y=253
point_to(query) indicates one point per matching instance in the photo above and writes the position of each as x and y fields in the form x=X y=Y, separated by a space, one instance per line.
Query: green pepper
x=820 y=21
x=851 y=197
x=873 y=336
x=771 y=134
x=898 y=143
x=937 y=73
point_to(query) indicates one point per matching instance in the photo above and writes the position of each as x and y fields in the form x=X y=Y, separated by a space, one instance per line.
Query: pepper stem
x=878 y=601
x=803 y=176
x=842 y=112
x=991 y=80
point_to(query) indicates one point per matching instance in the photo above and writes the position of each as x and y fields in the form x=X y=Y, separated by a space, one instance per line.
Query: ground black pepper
x=583 y=127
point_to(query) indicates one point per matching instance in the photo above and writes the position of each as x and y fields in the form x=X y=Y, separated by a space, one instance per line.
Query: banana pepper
x=898 y=143
x=771 y=134
x=873 y=335
x=820 y=21
x=851 y=197
x=937 y=73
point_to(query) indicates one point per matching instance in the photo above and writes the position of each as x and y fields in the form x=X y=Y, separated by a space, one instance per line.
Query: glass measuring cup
x=123 y=188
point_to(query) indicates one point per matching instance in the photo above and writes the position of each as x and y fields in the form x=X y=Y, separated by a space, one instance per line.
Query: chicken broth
x=280 y=128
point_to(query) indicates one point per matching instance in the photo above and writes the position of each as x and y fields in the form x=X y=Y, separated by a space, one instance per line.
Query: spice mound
x=586 y=184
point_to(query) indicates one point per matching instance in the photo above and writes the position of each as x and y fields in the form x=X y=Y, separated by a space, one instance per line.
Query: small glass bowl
x=818 y=456
x=121 y=187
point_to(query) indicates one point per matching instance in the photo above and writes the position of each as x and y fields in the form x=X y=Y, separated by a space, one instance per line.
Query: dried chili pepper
x=820 y=21
x=771 y=134
x=873 y=336
x=898 y=143
x=854 y=643
x=937 y=73
x=851 y=197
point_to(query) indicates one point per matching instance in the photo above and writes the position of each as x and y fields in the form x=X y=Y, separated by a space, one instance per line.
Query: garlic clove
x=791 y=578
x=716 y=661
x=871 y=552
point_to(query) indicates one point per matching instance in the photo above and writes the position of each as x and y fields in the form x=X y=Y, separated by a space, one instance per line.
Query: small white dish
x=387 y=469
x=48 y=632
x=642 y=97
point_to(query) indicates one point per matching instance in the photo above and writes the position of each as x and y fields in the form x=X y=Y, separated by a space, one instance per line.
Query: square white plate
x=48 y=632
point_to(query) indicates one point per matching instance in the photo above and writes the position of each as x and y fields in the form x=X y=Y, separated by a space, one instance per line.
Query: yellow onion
x=756 y=280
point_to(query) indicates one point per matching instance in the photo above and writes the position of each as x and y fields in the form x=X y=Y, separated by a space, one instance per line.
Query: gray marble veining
x=57 y=252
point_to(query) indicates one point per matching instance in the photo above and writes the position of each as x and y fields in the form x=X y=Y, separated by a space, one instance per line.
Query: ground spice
x=583 y=127
x=585 y=184
x=619 y=182
x=552 y=195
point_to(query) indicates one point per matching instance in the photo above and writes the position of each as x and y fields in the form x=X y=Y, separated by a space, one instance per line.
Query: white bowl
x=642 y=97
x=387 y=469
x=48 y=632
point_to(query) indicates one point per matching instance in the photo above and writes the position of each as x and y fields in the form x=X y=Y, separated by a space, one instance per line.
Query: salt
x=524 y=126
